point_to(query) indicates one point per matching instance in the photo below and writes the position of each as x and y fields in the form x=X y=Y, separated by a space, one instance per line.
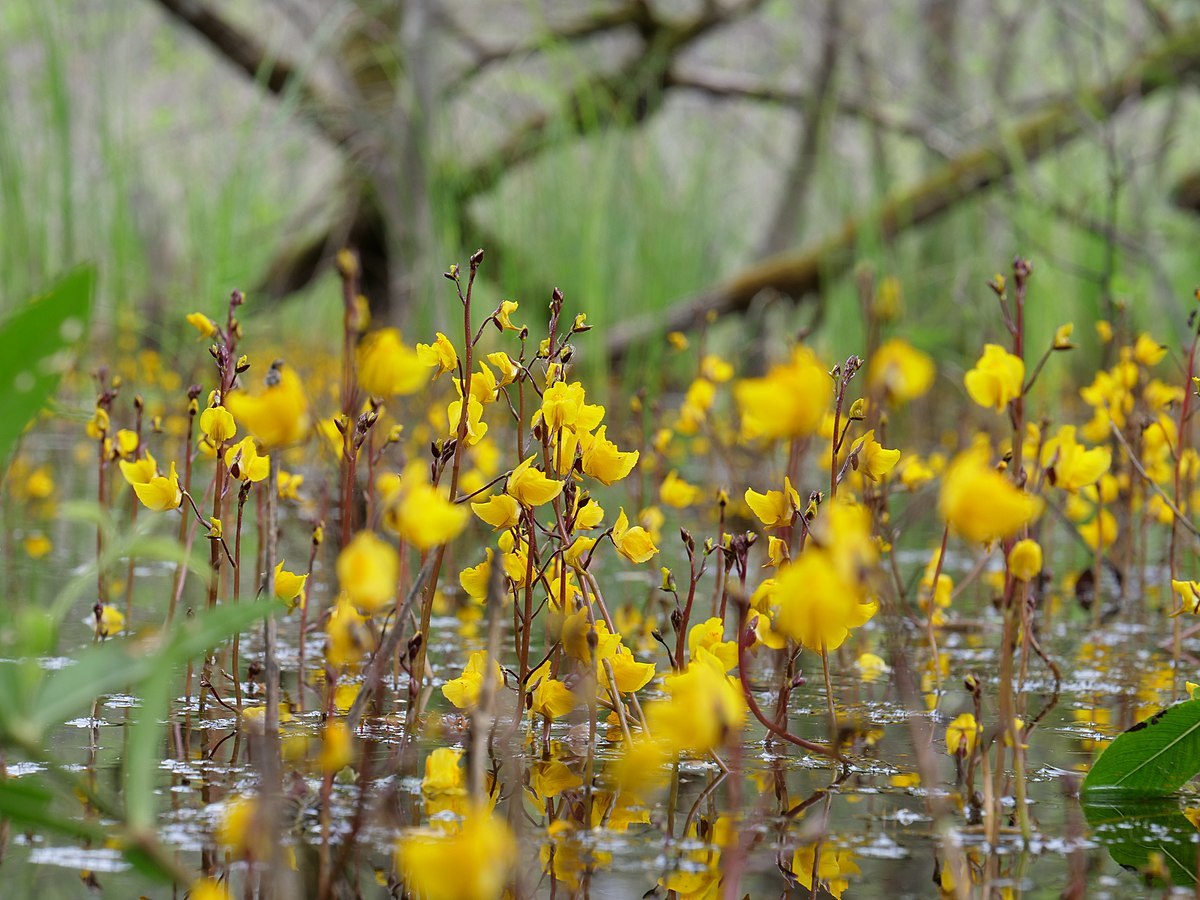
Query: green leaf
x=208 y=628
x=138 y=545
x=187 y=640
x=142 y=751
x=98 y=670
x=28 y=802
x=1154 y=758
x=119 y=663
x=1131 y=829
x=36 y=343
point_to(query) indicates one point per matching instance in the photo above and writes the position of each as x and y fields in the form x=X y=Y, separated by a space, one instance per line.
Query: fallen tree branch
x=635 y=14
x=276 y=73
x=724 y=86
x=632 y=93
x=1043 y=131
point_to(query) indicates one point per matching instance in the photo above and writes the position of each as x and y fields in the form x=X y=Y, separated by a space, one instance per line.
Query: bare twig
x=1166 y=499
x=815 y=117
x=1046 y=129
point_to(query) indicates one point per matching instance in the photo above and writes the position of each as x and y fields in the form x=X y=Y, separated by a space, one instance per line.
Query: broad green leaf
x=36 y=345
x=143 y=750
x=1154 y=758
x=119 y=663
x=28 y=802
x=132 y=546
x=98 y=670
x=1131 y=829
x=208 y=628
x=146 y=864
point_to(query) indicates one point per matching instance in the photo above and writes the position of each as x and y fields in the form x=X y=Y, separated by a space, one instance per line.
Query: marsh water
x=876 y=818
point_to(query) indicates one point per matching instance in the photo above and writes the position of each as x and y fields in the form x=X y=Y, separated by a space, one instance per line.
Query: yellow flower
x=676 y=492
x=630 y=674
x=110 y=621
x=127 y=442
x=288 y=585
x=235 y=829
x=981 y=504
x=1101 y=531
x=574 y=635
x=961 y=735
x=764 y=634
x=499 y=510
x=709 y=636
x=829 y=864
x=563 y=406
x=696 y=403
x=550 y=777
x=1025 y=559
x=565 y=446
x=775 y=509
x=203 y=324
x=871 y=666
x=443 y=773
x=578 y=550
x=474 y=579
x=716 y=369
x=440 y=355
x=387 y=367
x=635 y=543
x=368 y=570
x=417 y=511
x=348 y=636
x=289 y=483
x=873 y=460
x=777 y=552
x=161 y=492
x=1147 y=351
x=97 y=426
x=1073 y=466
x=604 y=462
x=37 y=545
x=476 y=427
x=278 y=416
x=208 y=889
x=139 y=471
x=472 y=863
x=997 y=378
x=914 y=473
x=504 y=314
x=1062 y=337
x=1189 y=594
x=549 y=697
x=1104 y=331
x=816 y=604
x=900 y=371
x=337 y=747
x=508 y=369
x=1159 y=395
x=246 y=464
x=704 y=709
x=530 y=487
x=483 y=385
x=464 y=690
x=790 y=401
x=217 y=424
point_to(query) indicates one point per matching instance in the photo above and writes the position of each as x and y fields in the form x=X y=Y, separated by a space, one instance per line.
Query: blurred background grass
x=129 y=140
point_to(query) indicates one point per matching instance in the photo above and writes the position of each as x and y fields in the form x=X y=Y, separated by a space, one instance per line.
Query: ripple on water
x=100 y=859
